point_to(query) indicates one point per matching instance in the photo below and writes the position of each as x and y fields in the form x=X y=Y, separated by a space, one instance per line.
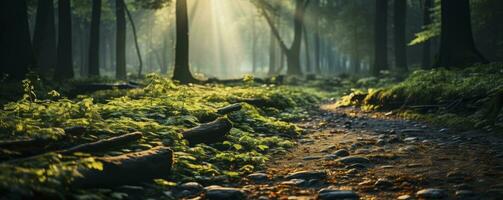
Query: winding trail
x=389 y=158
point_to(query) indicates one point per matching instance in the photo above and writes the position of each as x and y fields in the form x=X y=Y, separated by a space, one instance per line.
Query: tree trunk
x=272 y=54
x=307 y=49
x=94 y=40
x=208 y=133
x=293 y=56
x=64 y=66
x=426 y=61
x=457 y=48
x=44 y=36
x=136 y=45
x=380 y=38
x=120 y=49
x=400 y=18
x=317 y=41
x=16 y=54
x=182 y=69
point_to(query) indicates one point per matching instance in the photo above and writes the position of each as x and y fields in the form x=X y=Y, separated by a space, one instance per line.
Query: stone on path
x=341 y=153
x=353 y=160
x=334 y=194
x=216 y=192
x=193 y=186
x=432 y=193
x=307 y=175
x=311 y=158
x=258 y=177
x=405 y=197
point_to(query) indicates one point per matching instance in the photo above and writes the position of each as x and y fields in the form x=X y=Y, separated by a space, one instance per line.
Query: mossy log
x=209 y=133
x=230 y=108
x=131 y=168
x=104 y=144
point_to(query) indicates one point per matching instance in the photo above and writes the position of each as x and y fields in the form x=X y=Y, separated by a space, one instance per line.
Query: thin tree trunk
x=317 y=41
x=44 y=36
x=138 y=52
x=182 y=70
x=380 y=38
x=94 y=40
x=307 y=51
x=272 y=54
x=64 y=67
x=120 y=49
x=457 y=48
x=400 y=14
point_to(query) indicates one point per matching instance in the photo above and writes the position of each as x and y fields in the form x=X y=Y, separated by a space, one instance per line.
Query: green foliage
x=161 y=110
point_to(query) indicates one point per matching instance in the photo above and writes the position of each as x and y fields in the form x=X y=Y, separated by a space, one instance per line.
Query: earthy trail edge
x=404 y=157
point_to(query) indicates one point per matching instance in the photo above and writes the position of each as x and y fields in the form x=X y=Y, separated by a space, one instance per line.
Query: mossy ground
x=456 y=98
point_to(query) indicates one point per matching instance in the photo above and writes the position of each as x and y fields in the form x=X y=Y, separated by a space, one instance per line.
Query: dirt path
x=372 y=156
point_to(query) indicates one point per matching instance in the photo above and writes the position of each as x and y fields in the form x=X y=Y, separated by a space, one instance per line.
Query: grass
x=161 y=110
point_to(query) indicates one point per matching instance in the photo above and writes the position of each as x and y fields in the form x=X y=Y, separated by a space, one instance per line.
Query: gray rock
x=295 y=182
x=224 y=193
x=307 y=175
x=381 y=142
x=331 y=157
x=193 y=186
x=432 y=193
x=333 y=194
x=258 y=177
x=362 y=151
x=383 y=183
x=356 y=166
x=341 y=153
x=353 y=160
x=410 y=139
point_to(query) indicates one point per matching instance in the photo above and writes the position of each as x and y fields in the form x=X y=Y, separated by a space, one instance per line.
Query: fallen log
x=131 y=168
x=209 y=133
x=104 y=144
x=230 y=108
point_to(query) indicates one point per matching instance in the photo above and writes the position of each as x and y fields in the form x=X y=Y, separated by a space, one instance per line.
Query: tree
x=426 y=60
x=120 y=71
x=44 y=36
x=380 y=37
x=292 y=53
x=16 y=54
x=457 y=48
x=94 y=41
x=400 y=18
x=182 y=69
x=64 y=66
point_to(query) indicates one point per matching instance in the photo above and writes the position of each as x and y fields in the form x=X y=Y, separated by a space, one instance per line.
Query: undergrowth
x=161 y=110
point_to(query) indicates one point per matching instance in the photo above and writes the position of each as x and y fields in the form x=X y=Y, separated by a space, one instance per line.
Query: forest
x=251 y=99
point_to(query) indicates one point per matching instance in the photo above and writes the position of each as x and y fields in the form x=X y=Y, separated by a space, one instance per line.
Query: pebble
x=383 y=183
x=193 y=186
x=362 y=151
x=356 y=166
x=407 y=149
x=432 y=193
x=405 y=197
x=307 y=175
x=353 y=160
x=341 y=153
x=224 y=193
x=381 y=142
x=464 y=193
x=296 y=182
x=258 y=177
x=333 y=194
x=410 y=139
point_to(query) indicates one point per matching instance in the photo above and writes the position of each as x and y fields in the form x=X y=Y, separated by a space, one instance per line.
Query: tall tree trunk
x=254 y=46
x=120 y=49
x=64 y=66
x=182 y=69
x=380 y=37
x=400 y=18
x=136 y=45
x=426 y=61
x=457 y=48
x=317 y=41
x=16 y=54
x=307 y=50
x=293 y=58
x=272 y=54
x=94 y=40
x=44 y=36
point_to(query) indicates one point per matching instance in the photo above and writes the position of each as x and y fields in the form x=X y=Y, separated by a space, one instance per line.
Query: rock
x=333 y=194
x=362 y=151
x=410 y=139
x=465 y=194
x=381 y=142
x=192 y=186
x=407 y=149
x=394 y=139
x=331 y=157
x=258 y=177
x=311 y=158
x=353 y=160
x=432 y=193
x=356 y=166
x=405 y=197
x=295 y=182
x=307 y=175
x=444 y=130
x=383 y=183
x=224 y=193
x=341 y=153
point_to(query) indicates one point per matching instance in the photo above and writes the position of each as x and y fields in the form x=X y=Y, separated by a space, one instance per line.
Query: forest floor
x=352 y=154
